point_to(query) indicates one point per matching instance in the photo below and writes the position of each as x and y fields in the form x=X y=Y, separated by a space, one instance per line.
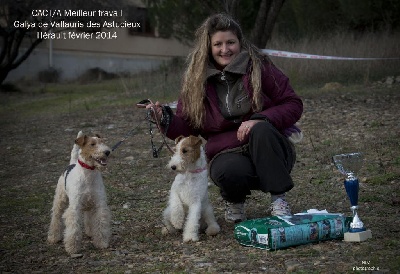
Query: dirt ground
x=36 y=148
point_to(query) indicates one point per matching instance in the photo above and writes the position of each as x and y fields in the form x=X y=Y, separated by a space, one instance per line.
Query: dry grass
x=305 y=71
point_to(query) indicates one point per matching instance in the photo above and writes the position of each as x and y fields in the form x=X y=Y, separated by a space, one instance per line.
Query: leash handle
x=143 y=104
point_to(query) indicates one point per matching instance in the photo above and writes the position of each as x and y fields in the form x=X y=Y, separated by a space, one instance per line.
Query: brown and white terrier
x=80 y=198
x=188 y=198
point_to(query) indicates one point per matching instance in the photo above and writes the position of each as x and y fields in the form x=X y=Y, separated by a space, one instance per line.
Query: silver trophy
x=349 y=164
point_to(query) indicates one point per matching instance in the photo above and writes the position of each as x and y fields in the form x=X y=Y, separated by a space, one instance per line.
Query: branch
x=4 y=48
x=24 y=56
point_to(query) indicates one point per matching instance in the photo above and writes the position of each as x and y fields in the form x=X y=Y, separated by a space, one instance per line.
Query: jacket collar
x=237 y=66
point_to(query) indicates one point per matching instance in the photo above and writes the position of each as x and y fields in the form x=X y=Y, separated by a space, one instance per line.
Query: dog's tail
x=75 y=150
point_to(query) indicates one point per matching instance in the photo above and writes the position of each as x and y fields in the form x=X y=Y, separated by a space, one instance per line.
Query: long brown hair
x=194 y=80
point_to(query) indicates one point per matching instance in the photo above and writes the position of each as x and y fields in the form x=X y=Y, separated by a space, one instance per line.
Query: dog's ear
x=195 y=141
x=178 y=139
x=81 y=140
x=199 y=142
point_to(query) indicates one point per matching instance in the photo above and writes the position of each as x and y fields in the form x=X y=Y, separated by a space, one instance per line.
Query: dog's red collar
x=85 y=165
x=198 y=170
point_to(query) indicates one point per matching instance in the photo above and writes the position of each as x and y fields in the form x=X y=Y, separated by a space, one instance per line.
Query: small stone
x=389 y=80
x=395 y=201
x=332 y=86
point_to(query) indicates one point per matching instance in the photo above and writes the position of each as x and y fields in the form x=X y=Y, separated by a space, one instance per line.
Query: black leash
x=156 y=151
x=129 y=134
x=166 y=115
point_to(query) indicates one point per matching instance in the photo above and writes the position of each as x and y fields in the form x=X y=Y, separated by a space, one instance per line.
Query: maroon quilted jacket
x=282 y=107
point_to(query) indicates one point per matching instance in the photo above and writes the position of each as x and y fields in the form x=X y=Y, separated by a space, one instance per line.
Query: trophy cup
x=349 y=165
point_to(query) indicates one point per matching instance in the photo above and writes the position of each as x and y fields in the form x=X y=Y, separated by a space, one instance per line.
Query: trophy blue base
x=357 y=236
x=353 y=230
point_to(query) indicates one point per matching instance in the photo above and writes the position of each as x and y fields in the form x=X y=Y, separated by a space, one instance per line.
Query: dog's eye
x=184 y=150
x=93 y=144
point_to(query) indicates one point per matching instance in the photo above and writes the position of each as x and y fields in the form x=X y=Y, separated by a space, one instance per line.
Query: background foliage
x=297 y=18
x=301 y=18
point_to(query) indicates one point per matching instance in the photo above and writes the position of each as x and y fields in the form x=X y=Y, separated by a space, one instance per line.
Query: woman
x=236 y=99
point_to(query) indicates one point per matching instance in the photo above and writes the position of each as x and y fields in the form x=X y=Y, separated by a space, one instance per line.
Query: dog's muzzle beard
x=181 y=167
x=102 y=161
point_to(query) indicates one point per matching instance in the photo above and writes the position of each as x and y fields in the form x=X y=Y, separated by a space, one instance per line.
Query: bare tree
x=12 y=36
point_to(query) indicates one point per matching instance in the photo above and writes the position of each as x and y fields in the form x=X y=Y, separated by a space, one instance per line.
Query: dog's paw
x=53 y=240
x=177 y=222
x=72 y=249
x=190 y=237
x=101 y=245
x=213 y=229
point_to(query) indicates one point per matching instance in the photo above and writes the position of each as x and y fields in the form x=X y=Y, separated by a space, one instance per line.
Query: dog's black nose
x=173 y=167
x=107 y=152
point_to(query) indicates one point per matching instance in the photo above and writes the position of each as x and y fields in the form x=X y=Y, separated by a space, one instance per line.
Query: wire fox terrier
x=80 y=197
x=189 y=192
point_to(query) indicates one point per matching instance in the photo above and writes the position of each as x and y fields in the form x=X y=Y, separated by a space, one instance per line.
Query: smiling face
x=225 y=46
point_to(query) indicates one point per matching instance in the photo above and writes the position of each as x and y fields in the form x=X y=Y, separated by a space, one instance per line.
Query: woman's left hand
x=245 y=128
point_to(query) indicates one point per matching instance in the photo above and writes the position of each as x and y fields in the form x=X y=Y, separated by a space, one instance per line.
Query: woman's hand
x=245 y=128
x=156 y=112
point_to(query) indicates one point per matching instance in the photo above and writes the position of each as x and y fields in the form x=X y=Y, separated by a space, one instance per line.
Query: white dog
x=81 y=197
x=189 y=192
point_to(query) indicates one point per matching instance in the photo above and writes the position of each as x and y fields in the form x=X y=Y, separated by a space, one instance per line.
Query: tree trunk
x=266 y=17
x=230 y=7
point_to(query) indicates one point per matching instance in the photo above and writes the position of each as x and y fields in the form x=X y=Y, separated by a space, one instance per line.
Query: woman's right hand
x=156 y=112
